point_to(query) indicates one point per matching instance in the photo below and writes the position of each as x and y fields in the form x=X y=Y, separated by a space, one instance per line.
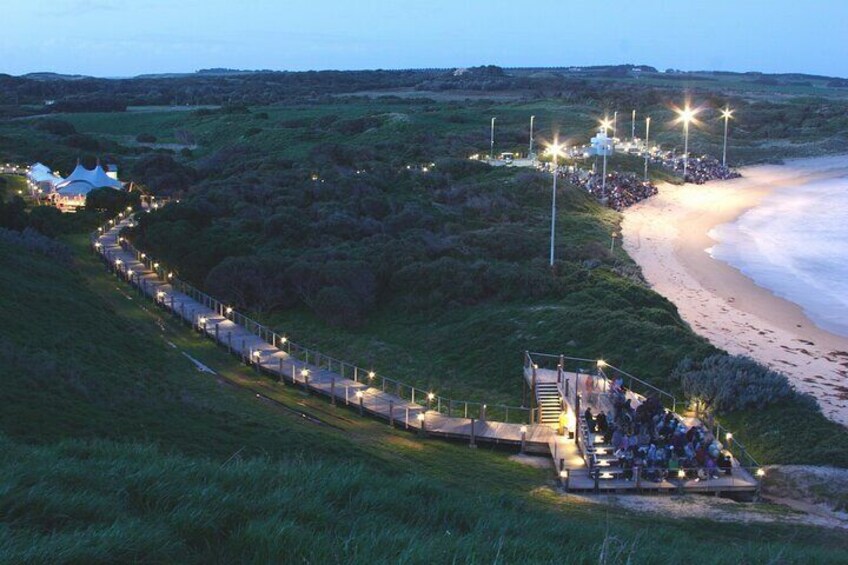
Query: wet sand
x=668 y=236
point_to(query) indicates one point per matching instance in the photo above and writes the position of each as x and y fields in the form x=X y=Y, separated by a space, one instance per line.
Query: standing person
x=590 y=421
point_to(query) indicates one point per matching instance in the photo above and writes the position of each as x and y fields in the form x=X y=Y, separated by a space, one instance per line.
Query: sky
x=115 y=38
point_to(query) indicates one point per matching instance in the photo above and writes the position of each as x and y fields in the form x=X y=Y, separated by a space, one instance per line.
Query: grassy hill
x=117 y=449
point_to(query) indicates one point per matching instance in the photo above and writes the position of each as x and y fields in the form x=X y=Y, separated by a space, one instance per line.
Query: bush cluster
x=727 y=383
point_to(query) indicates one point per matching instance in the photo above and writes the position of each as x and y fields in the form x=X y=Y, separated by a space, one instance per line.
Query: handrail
x=444 y=405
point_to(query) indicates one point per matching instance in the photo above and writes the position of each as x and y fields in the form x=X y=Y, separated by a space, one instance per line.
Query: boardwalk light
x=728 y=436
x=170 y=275
x=420 y=417
x=230 y=311
x=130 y=272
x=100 y=229
x=155 y=265
x=563 y=478
x=681 y=474
x=118 y=262
x=304 y=372
x=202 y=320
x=160 y=295
x=256 y=353
x=430 y=396
x=97 y=245
x=601 y=363
x=371 y=375
x=523 y=429
x=359 y=394
x=761 y=472
x=283 y=339
x=129 y=208
x=144 y=255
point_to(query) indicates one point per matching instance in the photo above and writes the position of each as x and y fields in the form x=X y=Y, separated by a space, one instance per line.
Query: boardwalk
x=345 y=384
x=351 y=390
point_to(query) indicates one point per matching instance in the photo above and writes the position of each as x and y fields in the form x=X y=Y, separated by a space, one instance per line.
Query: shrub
x=726 y=383
x=145 y=138
x=110 y=200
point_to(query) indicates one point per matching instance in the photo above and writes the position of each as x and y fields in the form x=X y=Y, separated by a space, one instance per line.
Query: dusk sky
x=125 y=38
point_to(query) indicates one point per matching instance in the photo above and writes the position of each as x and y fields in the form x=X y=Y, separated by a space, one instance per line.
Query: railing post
x=533 y=397
x=471 y=442
x=333 y=391
x=282 y=380
x=391 y=413
x=230 y=341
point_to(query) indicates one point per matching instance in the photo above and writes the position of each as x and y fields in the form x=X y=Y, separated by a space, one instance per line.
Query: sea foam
x=795 y=243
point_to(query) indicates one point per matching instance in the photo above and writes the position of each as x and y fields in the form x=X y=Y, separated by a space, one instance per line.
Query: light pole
x=554 y=150
x=647 y=138
x=614 y=124
x=530 y=153
x=492 y=142
x=605 y=125
x=686 y=115
x=633 y=127
x=727 y=113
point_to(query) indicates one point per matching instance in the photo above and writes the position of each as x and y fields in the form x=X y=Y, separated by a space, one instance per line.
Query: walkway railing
x=426 y=398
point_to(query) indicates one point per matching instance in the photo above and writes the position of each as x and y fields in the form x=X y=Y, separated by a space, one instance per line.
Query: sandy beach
x=668 y=236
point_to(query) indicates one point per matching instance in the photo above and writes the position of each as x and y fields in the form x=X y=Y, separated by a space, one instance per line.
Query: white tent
x=82 y=180
x=43 y=177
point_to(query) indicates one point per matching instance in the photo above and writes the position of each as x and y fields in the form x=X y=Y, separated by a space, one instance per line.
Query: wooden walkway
x=357 y=394
x=274 y=361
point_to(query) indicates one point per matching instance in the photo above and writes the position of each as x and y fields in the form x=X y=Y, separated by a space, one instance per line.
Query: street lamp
x=727 y=114
x=532 y=119
x=685 y=116
x=554 y=150
x=605 y=125
x=492 y=141
x=614 y=124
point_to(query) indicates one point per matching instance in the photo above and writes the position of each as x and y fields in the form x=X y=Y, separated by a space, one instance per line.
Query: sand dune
x=668 y=236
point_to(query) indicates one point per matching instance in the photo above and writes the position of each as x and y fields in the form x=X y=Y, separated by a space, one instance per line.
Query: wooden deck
x=358 y=395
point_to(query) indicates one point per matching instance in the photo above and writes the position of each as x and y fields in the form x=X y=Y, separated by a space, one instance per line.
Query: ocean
x=795 y=243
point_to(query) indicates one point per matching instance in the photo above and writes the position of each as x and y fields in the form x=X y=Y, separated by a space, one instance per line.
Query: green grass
x=116 y=449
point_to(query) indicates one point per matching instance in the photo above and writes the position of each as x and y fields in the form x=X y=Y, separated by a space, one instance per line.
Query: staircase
x=549 y=402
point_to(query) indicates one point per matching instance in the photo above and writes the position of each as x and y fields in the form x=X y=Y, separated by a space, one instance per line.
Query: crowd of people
x=655 y=443
x=699 y=169
x=622 y=189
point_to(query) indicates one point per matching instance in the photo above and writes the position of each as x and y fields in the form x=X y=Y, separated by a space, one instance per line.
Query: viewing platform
x=548 y=426
x=562 y=396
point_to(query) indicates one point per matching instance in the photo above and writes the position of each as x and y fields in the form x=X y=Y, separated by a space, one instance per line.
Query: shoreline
x=668 y=237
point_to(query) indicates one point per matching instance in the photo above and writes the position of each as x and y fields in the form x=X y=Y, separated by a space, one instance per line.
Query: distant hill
x=54 y=76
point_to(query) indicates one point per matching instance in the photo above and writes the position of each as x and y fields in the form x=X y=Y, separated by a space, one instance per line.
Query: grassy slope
x=117 y=449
